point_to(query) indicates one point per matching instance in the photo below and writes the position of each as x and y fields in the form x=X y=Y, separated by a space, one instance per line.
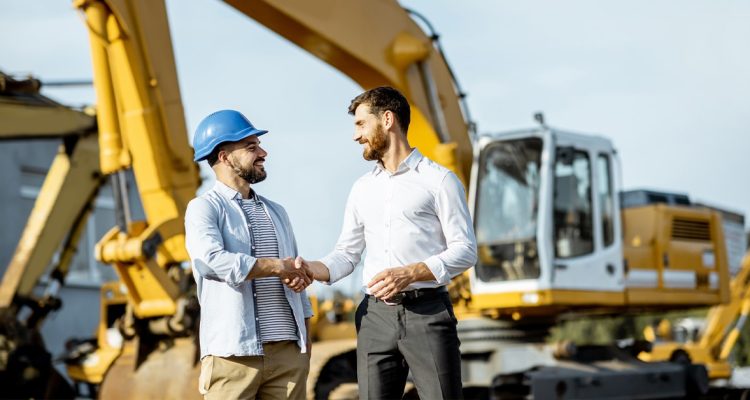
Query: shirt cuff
x=437 y=267
x=334 y=274
x=241 y=272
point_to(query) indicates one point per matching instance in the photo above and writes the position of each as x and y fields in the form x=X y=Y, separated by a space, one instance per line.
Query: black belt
x=411 y=295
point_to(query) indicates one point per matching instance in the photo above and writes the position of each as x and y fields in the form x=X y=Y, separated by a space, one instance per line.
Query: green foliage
x=608 y=329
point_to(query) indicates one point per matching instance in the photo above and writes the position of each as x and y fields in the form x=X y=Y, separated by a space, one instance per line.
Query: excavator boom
x=377 y=43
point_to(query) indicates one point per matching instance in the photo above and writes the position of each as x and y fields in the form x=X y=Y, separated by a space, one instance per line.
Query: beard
x=250 y=175
x=379 y=143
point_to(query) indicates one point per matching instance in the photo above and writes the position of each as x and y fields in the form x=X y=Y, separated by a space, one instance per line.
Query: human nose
x=262 y=152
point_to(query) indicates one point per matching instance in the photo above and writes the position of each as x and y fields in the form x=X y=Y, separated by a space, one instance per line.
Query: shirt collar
x=228 y=192
x=410 y=162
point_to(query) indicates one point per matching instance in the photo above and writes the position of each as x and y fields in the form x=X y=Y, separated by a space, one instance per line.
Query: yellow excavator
x=554 y=235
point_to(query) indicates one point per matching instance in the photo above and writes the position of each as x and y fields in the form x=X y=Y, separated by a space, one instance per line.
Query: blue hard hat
x=219 y=127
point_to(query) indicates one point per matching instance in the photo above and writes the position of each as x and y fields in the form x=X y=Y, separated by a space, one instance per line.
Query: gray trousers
x=419 y=335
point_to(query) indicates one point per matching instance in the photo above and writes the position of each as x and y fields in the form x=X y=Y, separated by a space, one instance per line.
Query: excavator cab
x=552 y=236
x=543 y=205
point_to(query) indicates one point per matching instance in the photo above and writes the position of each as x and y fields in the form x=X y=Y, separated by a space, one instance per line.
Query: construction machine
x=553 y=237
x=54 y=226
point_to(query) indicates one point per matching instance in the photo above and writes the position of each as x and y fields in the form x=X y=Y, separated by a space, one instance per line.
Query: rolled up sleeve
x=350 y=245
x=205 y=246
x=461 y=244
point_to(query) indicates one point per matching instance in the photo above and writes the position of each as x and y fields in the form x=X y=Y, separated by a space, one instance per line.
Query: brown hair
x=385 y=98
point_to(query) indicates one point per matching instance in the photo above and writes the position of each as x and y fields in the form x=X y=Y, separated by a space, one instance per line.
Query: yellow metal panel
x=656 y=238
x=543 y=298
x=147 y=291
x=672 y=297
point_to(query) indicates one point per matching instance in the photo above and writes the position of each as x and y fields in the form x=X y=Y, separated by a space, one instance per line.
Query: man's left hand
x=393 y=280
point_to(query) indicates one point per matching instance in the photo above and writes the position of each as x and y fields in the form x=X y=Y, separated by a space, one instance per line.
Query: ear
x=223 y=155
x=387 y=119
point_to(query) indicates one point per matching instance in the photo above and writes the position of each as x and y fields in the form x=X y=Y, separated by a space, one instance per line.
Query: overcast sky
x=667 y=81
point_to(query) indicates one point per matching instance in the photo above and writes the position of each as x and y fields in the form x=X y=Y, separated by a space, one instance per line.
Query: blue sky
x=667 y=81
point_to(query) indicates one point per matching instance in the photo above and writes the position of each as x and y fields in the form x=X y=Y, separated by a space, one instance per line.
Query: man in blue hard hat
x=254 y=310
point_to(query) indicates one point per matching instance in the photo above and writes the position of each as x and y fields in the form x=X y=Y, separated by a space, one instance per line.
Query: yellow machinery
x=55 y=224
x=551 y=236
x=723 y=326
x=556 y=238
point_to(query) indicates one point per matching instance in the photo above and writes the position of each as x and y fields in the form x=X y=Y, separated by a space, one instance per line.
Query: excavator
x=554 y=238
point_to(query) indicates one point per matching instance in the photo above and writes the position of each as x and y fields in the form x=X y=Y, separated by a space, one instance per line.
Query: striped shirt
x=276 y=320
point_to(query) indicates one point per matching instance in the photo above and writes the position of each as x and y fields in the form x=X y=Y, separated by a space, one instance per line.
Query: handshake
x=298 y=273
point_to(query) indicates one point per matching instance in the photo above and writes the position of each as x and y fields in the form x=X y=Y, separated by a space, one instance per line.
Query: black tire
x=339 y=370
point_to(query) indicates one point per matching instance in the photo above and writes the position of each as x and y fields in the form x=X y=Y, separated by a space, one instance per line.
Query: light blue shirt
x=219 y=244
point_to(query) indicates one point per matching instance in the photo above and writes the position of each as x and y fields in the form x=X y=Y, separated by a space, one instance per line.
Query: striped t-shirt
x=275 y=316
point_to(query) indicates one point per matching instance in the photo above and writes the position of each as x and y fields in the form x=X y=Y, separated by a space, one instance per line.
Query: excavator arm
x=377 y=43
x=55 y=225
x=64 y=200
x=26 y=114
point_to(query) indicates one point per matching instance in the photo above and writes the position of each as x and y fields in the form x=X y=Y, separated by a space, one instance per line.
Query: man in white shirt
x=411 y=215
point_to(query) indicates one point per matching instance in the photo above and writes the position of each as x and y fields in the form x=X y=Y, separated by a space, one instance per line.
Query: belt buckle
x=394 y=300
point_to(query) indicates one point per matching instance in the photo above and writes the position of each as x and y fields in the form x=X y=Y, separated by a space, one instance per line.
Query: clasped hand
x=390 y=281
x=295 y=274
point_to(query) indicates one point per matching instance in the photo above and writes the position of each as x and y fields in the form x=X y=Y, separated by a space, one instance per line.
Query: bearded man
x=253 y=329
x=411 y=215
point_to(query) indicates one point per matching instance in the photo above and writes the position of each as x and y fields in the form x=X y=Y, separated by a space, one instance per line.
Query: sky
x=668 y=82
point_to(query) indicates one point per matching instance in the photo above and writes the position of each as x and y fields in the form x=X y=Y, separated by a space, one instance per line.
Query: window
x=606 y=199
x=572 y=204
x=508 y=191
x=507 y=210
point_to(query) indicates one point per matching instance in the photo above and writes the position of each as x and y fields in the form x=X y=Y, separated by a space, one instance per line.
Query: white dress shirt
x=418 y=213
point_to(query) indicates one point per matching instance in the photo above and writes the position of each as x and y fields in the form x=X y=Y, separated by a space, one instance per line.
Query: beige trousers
x=279 y=374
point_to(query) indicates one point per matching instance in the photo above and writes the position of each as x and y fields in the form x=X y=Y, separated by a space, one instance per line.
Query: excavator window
x=606 y=199
x=507 y=210
x=573 y=211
